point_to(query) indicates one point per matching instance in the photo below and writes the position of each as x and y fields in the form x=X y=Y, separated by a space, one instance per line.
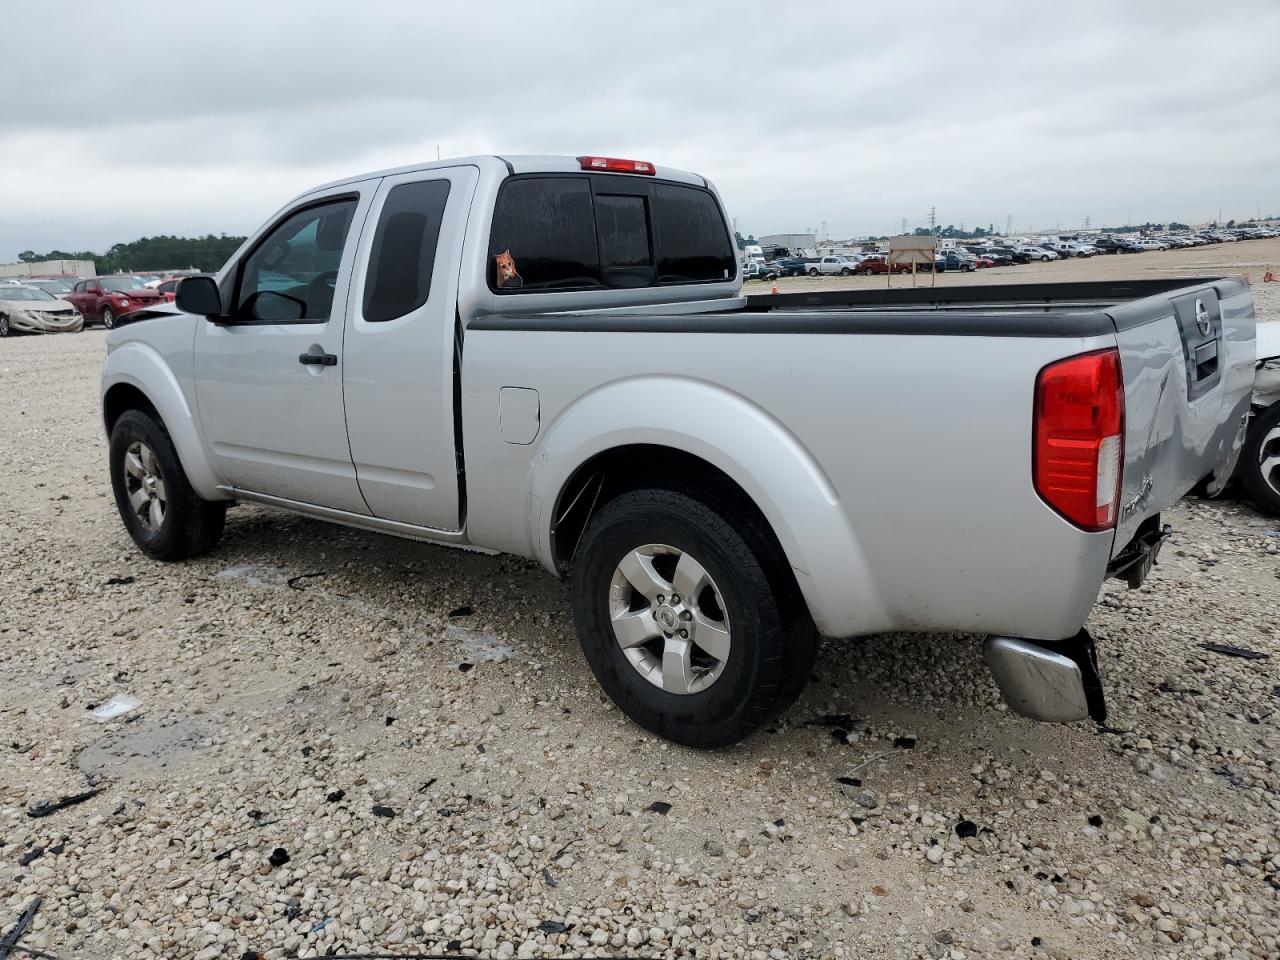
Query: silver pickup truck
x=551 y=357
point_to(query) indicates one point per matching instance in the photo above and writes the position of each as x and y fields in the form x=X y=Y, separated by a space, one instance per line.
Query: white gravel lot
x=459 y=784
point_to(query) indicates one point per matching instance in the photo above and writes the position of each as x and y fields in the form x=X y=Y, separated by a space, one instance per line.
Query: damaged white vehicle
x=1259 y=466
x=26 y=309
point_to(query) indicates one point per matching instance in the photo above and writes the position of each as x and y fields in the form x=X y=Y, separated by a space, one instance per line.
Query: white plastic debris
x=117 y=706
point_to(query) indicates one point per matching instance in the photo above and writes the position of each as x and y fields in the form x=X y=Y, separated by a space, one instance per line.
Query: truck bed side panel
x=924 y=439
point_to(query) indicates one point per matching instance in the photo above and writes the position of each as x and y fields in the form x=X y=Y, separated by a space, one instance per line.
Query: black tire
x=108 y=318
x=844 y=271
x=774 y=641
x=813 y=271
x=1264 y=491
x=191 y=526
x=4 y=326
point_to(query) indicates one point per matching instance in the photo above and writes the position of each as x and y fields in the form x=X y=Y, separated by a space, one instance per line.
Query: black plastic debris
x=46 y=807
x=333 y=796
x=388 y=721
x=660 y=807
x=966 y=828
x=379 y=810
x=1036 y=941
x=254 y=814
x=31 y=855
x=279 y=857
x=453 y=946
x=548 y=878
x=225 y=853
x=849 y=781
x=464 y=667
x=1229 y=650
x=554 y=926
x=465 y=610
x=293 y=908
x=1095 y=820
x=9 y=942
x=294 y=583
x=119 y=581
x=58 y=847
x=905 y=743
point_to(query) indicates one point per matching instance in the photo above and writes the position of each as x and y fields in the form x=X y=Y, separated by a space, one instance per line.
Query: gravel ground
x=415 y=730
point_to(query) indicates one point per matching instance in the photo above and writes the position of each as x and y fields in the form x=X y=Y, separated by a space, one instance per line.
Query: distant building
x=41 y=268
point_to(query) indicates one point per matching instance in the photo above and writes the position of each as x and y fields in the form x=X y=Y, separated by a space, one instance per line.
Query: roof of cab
x=514 y=164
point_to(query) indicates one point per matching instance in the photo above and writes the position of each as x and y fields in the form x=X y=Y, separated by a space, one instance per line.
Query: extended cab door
x=398 y=371
x=269 y=374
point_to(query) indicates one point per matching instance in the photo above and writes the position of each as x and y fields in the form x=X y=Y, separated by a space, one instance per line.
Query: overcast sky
x=143 y=120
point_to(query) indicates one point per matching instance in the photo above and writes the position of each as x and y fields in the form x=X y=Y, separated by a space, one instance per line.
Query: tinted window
x=689 y=236
x=404 y=250
x=291 y=274
x=622 y=224
x=544 y=236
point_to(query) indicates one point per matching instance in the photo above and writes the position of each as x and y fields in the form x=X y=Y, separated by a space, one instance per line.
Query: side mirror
x=199 y=295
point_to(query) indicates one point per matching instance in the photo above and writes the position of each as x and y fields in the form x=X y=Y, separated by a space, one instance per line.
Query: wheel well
x=124 y=397
x=634 y=467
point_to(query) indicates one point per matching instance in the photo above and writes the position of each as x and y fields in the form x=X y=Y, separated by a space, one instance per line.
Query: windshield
x=122 y=283
x=53 y=286
x=24 y=293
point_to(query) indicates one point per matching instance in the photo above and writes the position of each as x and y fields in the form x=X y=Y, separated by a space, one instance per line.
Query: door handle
x=318 y=359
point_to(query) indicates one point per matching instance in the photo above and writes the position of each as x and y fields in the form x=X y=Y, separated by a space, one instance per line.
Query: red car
x=985 y=262
x=875 y=263
x=170 y=288
x=102 y=299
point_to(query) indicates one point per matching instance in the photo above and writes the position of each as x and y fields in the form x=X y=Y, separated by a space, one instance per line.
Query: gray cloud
x=801 y=113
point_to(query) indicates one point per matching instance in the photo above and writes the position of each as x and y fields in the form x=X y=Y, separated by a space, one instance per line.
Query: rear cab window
x=565 y=232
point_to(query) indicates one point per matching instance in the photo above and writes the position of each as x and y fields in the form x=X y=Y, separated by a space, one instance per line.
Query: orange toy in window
x=507 y=276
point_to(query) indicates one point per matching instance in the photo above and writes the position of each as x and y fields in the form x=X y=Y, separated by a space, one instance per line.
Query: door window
x=404 y=250
x=291 y=274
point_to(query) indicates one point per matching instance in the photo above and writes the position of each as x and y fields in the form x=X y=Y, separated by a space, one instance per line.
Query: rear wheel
x=165 y=517
x=1260 y=460
x=813 y=271
x=108 y=318
x=4 y=325
x=689 y=617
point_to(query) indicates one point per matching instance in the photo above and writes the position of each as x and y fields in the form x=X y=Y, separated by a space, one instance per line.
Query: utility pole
x=1087 y=221
x=1008 y=224
x=933 y=219
x=824 y=230
x=904 y=226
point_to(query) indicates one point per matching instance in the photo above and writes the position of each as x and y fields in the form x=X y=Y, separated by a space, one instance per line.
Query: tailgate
x=1188 y=359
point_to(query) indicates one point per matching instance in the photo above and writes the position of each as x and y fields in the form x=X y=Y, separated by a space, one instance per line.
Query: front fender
x=758 y=452
x=143 y=367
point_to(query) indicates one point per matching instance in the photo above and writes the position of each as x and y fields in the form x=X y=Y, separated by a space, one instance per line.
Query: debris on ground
x=46 y=807
x=117 y=706
x=1230 y=650
x=9 y=941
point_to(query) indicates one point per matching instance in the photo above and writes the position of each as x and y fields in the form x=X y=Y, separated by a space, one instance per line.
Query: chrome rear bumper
x=1055 y=682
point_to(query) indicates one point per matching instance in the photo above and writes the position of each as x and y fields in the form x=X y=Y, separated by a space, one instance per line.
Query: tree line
x=206 y=254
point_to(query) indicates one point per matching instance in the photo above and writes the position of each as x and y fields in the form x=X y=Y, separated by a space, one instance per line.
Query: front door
x=398 y=376
x=269 y=375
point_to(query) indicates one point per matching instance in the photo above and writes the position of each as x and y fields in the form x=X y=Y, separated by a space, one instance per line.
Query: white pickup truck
x=832 y=266
x=551 y=357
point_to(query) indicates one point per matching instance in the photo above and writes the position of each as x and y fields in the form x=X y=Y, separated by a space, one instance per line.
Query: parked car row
x=68 y=304
x=994 y=253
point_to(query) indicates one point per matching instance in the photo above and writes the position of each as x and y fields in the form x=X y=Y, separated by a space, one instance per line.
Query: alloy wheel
x=144 y=485
x=108 y=318
x=1269 y=459
x=669 y=618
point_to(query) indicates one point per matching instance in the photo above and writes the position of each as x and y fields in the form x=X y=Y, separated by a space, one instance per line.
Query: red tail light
x=1079 y=438
x=614 y=165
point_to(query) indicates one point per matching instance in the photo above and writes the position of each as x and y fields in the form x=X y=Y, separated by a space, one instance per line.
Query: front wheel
x=844 y=271
x=4 y=325
x=689 y=616
x=165 y=517
x=108 y=318
x=1260 y=460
